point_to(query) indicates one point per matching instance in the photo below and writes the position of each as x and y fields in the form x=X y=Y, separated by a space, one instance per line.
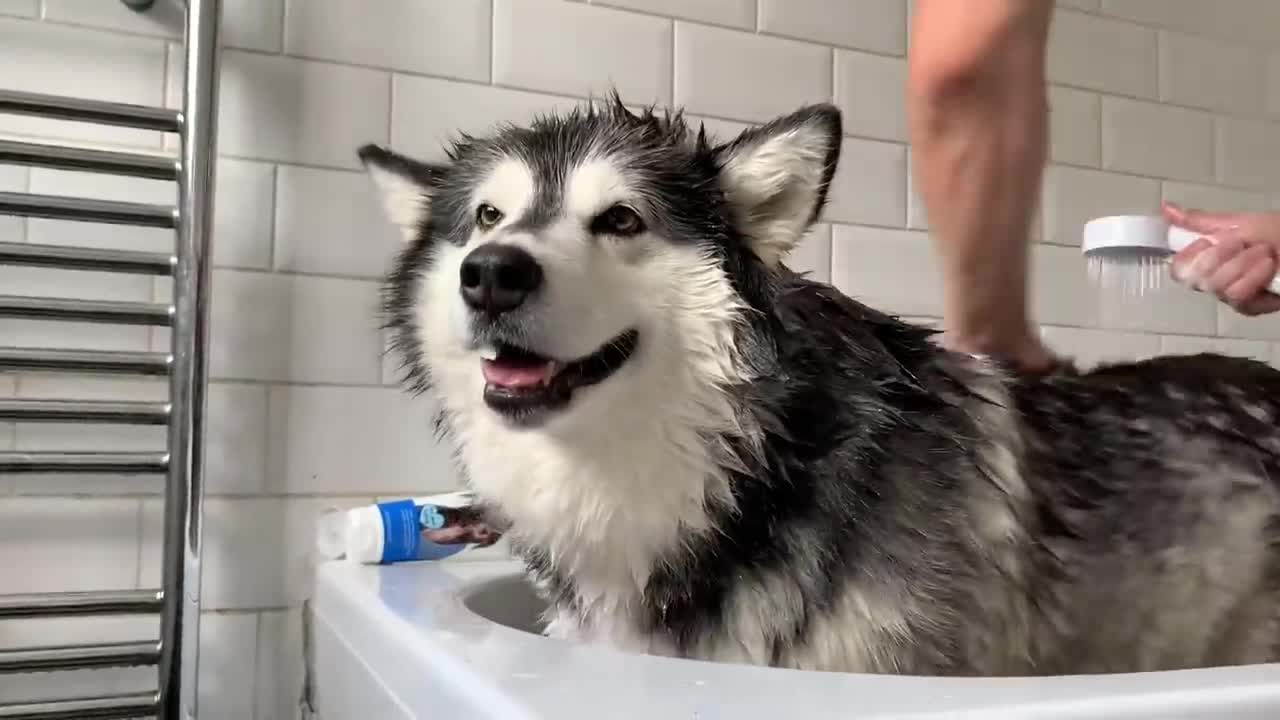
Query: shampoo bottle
x=399 y=530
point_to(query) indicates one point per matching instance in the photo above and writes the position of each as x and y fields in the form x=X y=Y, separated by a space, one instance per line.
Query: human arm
x=978 y=119
x=1237 y=264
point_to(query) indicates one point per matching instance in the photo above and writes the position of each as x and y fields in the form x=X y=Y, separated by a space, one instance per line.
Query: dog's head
x=593 y=258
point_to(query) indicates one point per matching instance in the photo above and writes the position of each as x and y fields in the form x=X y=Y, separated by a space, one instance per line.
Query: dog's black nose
x=498 y=278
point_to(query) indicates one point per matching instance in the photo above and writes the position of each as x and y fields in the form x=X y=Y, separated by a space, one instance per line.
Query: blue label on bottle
x=402 y=535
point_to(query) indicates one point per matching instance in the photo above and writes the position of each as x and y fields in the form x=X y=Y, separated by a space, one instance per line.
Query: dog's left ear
x=406 y=186
x=776 y=177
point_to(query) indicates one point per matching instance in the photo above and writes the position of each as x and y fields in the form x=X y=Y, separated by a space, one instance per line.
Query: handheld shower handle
x=1180 y=238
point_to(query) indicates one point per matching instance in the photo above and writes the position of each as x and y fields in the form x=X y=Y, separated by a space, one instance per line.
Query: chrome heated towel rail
x=176 y=601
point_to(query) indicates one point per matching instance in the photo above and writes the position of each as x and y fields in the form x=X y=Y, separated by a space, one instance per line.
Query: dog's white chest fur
x=604 y=514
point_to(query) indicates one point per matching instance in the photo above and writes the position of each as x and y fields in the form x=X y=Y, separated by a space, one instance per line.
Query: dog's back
x=1157 y=485
x=1125 y=519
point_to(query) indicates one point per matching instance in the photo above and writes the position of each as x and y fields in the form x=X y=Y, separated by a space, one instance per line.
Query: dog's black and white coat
x=701 y=453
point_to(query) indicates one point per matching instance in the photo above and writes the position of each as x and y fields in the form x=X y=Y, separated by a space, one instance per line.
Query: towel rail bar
x=155 y=167
x=122 y=707
x=70 y=257
x=104 y=602
x=107 y=362
x=58 y=107
x=94 y=311
x=79 y=657
x=122 y=463
x=112 y=212
x=84 y=411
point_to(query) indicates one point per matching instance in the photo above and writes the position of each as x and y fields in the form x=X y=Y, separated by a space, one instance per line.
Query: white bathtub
x=453 y=640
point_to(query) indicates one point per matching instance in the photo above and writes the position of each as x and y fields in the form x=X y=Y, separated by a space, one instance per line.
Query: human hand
x=1236 y=260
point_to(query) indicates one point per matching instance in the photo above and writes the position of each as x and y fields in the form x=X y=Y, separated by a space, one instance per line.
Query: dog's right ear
x=406 y=186
x=776 y=177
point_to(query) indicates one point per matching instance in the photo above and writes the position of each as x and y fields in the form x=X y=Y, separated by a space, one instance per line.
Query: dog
x=701 y=453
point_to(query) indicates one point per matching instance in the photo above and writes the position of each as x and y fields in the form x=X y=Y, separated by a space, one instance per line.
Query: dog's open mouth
x=520 y=383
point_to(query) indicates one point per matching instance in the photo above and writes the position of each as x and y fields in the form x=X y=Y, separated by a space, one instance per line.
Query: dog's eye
x=487 y=216
x=618 y=220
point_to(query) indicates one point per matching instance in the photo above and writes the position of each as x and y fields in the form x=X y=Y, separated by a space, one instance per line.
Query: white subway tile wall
x=1212 y=74
x=572 y=49
x=1077 y=135
x=1097 y=53
x=873 y=25
x=1148 y=138
x=20 y=8
x=1072 y=195
x=721 y=72
x=731 y=13
x=1248 y=154
x=871 y=92
x=1150 y=99
x=449 y=38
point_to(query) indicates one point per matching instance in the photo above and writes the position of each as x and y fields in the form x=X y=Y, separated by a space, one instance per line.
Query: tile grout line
x=141 y=540
x=1216 y=148
x=274 y=232
x=257 y=660
x=1102 y=133
x=675 y=60
x=283 y=17
x=1159 y=52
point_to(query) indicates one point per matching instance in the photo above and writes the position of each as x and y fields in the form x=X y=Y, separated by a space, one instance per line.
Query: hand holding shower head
x=1129 y=253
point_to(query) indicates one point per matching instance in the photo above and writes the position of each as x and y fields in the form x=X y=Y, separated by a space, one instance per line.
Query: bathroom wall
x=1177 y=99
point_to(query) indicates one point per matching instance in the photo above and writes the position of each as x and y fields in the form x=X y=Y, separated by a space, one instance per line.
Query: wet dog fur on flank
x=701 y=453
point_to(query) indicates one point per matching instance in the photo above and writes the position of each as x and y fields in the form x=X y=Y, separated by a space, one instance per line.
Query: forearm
x=979 y=128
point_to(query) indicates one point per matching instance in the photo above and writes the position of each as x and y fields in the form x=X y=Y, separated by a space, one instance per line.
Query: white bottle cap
x=364 y=542
x=331 y=533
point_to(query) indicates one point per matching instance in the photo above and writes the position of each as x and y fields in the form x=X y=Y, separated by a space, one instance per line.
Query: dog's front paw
x=563 y=626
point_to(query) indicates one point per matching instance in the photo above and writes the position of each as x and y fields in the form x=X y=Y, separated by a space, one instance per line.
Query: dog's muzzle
x=521 y=383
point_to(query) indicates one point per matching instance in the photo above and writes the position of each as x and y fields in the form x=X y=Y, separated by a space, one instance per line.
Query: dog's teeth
x=489 y=353
x=553 y=369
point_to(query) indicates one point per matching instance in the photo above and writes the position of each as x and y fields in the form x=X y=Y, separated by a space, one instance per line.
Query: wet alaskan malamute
x=701 y=453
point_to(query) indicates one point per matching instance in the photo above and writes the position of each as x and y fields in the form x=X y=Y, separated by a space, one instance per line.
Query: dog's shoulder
x=1164 y=384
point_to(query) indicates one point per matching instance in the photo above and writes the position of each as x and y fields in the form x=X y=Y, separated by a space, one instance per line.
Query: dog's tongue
x=516 y=374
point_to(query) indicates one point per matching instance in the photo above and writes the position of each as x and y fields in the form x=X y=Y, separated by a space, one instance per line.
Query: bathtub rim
x=410 y=624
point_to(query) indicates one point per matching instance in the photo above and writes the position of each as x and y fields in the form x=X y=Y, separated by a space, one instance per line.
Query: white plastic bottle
x=389 y=532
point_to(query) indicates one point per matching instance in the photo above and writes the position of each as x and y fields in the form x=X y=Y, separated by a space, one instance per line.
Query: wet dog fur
x=747 y=465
